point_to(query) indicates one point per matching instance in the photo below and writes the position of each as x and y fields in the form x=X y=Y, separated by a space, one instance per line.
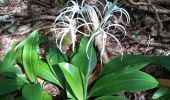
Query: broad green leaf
x=30 y=55
x=128 y=62
x=46 y=73
x=69 y=92
x=34 y=92
x=164 y=97
x=10 y=57
x=55 y=56
x=74 y=78
x=80 y=59
x=111 y=98
x=19 y=52
x=162 y=60
x=19 y=98
x=4 y=97
x=8 y=70
x=133 y=81
x=45 y=96
x=160 y=92
x=10 y=85
x=11 y=71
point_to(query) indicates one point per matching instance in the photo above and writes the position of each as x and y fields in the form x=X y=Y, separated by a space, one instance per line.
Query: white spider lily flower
x=97 y=22
x=66 y=19
x=68 y=29
x=102 y=26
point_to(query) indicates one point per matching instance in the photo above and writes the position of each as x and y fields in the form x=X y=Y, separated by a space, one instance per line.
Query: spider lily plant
x=98 y=18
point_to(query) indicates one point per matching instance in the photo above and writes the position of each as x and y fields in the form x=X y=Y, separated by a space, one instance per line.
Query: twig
x=138 y=3
x=157 y=18
x=5 y=28
x=41 y=3
x=40 y=18
x=162 y=2
x=159 y=45
x=144 y=8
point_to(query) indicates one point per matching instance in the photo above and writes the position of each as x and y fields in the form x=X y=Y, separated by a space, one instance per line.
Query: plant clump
x=96 y=17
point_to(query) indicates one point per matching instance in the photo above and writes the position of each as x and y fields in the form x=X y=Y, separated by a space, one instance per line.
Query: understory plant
x=73 y=74
x=77 y=75
x=97 y=18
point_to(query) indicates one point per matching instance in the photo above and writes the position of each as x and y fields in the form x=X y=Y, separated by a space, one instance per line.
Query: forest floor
x=148 y=31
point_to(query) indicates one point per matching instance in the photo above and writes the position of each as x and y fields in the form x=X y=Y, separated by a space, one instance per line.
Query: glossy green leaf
x=162 y=60
x=46 y=73
x=134 y=81
x=74 y=78
x=11 y=71
x=160 y=92
x=69 y=92
x=34 y=92
x=111 y=98
x=10 y=58
x=30 y=55
x=10 y=85
x=19 y=52
x=4 y=97
x=45 y=96
x=81 y=60
x=55 y=56
x=128 y=62
x=8 y=70
x=19 y=98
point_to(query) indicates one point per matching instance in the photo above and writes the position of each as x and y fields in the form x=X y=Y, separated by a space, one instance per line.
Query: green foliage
x=54 y=56
x=10 y=85
x=75 y=79
x=30 y=56
x=133 y=81
x=111 y=98
x=20 y=66
x=45 y=73
x=34 y=92
x=118 y=75
x=129 y=62
x=162 y=93
x=80 y=60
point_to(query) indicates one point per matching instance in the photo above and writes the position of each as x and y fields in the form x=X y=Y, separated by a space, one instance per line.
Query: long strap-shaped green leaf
x=80 y=59
x=35 y=92
x=133 y=62
x=30 y=56
x=74 y=78
x=10 y=85
x=111 y=98
x=134 y=81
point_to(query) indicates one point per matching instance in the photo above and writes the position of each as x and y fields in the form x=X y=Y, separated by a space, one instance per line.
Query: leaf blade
x=128 y=62
x=34 y=92
x=46 y=73
x=73 y=75
x=111 y=98
x=133 y=81
x=10 y=85
x=81 y=60
x=160 y=92
x=30 y=55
